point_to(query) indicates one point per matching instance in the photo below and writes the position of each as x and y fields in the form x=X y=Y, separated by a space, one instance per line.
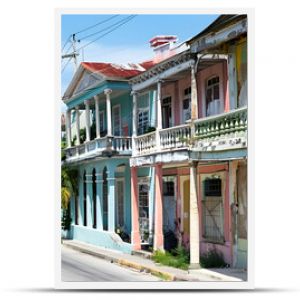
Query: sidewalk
x=146 y=265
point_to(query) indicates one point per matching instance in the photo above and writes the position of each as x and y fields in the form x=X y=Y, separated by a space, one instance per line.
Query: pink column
x=158 y=218
x=226 y=88
x=135 y=229
x=227 y=217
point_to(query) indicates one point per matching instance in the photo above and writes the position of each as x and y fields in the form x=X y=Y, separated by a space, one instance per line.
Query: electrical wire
x=64 y=67
x=106 y=28
x=102 y=22
x=67 y=40
x=116 y=27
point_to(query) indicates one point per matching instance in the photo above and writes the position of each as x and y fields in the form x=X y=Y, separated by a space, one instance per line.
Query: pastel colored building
x=167 y=154
x=100 y=152
x=196 y=102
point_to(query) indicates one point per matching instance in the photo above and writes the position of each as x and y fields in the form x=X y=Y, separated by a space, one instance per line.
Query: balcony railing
x=223 y=131
x=120 y=145
x=175 y=137
x=145 y=143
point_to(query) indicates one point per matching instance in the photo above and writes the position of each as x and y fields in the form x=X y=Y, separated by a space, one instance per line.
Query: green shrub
x=212 y=259
x=177 y=258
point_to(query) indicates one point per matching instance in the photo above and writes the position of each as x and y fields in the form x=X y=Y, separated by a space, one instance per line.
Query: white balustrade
x=121 y=143
x=226 y=124
x=211 y=133
x=145 y=143
x=175 y=137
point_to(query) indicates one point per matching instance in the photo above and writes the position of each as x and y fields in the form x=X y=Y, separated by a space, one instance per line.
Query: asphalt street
x=77 y=266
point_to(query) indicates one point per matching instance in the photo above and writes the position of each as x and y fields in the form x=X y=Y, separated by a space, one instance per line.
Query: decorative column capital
x=97 y=97
x=134 y=93
x=193 y=163
x=77 y=107
x=107 y=91
x=87 y=102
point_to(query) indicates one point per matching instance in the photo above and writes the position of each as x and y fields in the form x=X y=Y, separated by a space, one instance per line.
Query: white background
x=28 y=120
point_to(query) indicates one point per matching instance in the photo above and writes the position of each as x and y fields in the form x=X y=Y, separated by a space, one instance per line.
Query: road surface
x=77 y=266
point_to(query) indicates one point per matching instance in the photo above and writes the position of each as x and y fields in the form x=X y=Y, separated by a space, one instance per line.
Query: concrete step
x=142 y=253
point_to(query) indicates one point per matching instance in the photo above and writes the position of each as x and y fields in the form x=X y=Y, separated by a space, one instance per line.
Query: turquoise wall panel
x=99 y=238
x=125 y=102
x=98 y=90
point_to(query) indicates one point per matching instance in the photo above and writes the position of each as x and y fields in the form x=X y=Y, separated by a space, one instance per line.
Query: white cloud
x=117 y=54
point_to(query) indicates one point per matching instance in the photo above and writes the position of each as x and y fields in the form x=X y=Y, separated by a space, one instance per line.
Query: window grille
x=143 y=121
x=186 y=105
x=144 y=212
x=213 y=210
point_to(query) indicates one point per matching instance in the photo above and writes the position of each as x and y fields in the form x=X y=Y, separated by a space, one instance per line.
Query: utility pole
x=74 y=54
x=74 y=51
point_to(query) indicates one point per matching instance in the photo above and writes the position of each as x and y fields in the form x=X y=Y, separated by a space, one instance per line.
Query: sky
x=129 y=42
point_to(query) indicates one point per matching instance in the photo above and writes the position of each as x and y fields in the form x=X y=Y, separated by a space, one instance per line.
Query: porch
x=225 y=131
x=96 y=126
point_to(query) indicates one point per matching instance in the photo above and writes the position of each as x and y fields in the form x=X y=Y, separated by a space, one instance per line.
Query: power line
x=67 y=40
x=104 y=21
x=64 y=67
x=104 y=29
x=68 y=48
x=116 y=27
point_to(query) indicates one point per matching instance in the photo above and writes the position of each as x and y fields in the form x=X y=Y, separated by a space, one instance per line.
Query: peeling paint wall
x=241 y=66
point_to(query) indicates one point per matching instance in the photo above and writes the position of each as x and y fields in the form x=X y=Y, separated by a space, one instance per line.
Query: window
x=212 y=207
x=144 y=212
x=213 y=96
x=168 y=188
x=143 y=121
x=186 y=105
x=167 y=112
x=94 y=200
x=117 y=120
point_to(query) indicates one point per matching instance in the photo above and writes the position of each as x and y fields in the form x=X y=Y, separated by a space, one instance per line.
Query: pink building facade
x=197 y=146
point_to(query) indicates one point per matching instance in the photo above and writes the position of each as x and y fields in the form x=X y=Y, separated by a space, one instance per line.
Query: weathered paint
x=96 y=235
x=205 y=245
x=135 y=231
x=242 y=216
x=99 y=238
x=158 y=219
x=97 y=90
x=241 y=67
x=203 y=76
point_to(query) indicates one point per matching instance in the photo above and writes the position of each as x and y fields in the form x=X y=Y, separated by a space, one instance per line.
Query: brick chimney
x=163 y=46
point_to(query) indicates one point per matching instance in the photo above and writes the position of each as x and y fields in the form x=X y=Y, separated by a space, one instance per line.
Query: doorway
x=166 y=108
x=185 y=210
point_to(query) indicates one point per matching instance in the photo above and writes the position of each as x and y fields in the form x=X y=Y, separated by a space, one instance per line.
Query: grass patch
x=177 y=258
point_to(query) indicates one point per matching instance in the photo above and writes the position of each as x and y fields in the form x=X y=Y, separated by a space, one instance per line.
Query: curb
x=154 y=271
x=123 y=262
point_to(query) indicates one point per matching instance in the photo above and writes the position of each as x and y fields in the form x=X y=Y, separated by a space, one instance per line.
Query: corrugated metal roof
x=111 y=70
x=219 y=23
